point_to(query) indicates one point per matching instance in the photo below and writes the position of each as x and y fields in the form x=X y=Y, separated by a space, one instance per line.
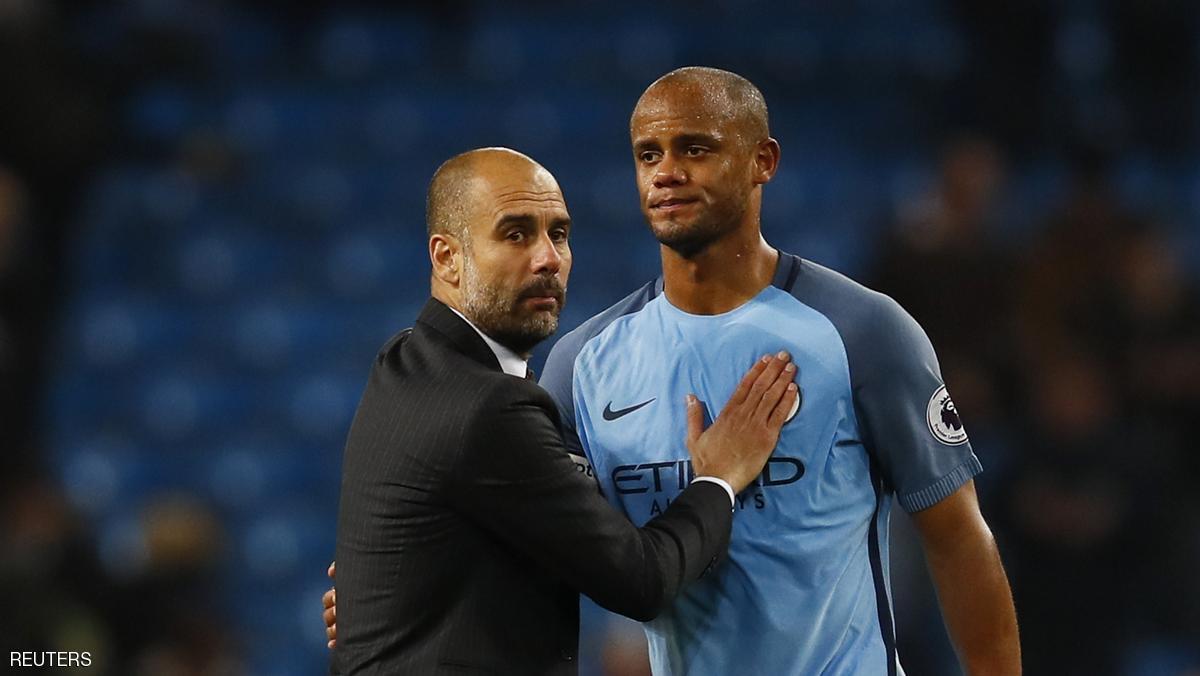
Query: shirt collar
x=510 y=362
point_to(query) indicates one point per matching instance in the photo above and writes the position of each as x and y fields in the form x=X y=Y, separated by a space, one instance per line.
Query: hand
x=741 y=439
x=329 y=600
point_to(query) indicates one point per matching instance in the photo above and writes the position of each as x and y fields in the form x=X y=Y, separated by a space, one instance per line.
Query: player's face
x=693 y=170
x=516 y=260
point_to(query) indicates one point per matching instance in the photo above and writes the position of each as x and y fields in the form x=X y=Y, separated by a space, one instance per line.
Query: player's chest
x=636 y=419
x=634 y=403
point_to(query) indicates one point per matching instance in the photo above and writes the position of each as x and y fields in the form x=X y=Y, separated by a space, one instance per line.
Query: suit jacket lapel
x=442 y=319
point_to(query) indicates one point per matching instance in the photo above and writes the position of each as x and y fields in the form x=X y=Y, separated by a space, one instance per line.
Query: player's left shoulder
x=862 y=314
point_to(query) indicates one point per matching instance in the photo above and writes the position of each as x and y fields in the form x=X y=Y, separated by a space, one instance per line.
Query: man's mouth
x=543 y=297
x=672 y=204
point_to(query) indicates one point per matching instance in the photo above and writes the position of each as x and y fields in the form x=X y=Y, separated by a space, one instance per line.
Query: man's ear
x=766 y=161
x=445 y=253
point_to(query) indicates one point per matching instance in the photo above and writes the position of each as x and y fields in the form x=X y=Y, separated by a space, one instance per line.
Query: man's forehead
x=691 y=111
x=680 y=124
x=536 y=188
x=525 y=196
x=504 y=197
x=683 y=122
x=675 y=99
x=515 y=181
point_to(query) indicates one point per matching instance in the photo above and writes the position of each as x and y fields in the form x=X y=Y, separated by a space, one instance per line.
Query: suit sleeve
x=516 y=479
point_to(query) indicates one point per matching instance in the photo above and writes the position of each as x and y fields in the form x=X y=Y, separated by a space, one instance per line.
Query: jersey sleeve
x=912 y=427
x=558 y=378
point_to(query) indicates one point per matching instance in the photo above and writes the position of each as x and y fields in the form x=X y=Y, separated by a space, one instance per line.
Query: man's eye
x=694 y=151
x=515 y=236
x=559 y=235
x=649 y=156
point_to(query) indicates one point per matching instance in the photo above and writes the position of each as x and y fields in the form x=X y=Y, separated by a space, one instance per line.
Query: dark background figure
x=210 y=218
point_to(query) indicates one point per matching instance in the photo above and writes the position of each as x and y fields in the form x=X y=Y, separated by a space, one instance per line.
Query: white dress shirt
x=510 y=362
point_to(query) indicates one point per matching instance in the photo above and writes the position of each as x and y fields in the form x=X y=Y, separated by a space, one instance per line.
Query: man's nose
x=546 y=256
x=668 y=172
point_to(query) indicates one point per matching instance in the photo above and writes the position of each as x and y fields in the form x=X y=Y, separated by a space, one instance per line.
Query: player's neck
x=725 y=275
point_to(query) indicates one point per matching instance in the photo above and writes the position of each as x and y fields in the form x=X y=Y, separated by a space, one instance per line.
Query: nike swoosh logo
x=610 y=414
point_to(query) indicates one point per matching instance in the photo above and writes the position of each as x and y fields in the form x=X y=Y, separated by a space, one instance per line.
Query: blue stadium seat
x=322 y=405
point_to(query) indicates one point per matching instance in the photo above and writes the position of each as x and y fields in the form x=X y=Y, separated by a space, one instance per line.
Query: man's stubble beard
x=496 y=313
x=691 y=240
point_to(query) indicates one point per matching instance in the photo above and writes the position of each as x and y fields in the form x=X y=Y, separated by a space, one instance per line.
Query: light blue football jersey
x=804 y=588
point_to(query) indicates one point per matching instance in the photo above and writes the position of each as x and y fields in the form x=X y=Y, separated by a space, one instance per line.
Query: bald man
x=465 y=531
x=804 y=589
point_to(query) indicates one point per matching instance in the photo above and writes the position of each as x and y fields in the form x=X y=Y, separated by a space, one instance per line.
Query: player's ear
x=445 y=254
x=766 y=160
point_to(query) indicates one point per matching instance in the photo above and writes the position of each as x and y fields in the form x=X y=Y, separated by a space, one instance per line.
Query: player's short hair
x=735 y=94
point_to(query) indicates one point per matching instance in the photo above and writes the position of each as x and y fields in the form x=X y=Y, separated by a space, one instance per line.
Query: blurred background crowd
x=211 y=216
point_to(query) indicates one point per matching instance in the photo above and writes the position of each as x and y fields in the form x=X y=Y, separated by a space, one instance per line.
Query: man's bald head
x=498 y=244
x=451 y=199
x=707 y=92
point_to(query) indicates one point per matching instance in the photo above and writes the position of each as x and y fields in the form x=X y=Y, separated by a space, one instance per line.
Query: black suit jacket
x=466 y=531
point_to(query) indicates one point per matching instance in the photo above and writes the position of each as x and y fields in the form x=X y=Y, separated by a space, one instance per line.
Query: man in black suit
x=465 y=530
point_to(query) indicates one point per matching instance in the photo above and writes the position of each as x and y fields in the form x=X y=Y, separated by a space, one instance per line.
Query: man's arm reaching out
x=971 y=584
x=731 y=452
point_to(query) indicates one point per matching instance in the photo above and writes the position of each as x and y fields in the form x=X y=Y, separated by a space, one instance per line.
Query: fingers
x=329 y=601
x=330 y=617
x=779 y=414
x=743 y=389
x=768 y=377
x=695 y=419
x=774 y=392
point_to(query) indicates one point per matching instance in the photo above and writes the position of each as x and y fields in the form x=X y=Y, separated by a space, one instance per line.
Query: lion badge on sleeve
x=944 y=422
